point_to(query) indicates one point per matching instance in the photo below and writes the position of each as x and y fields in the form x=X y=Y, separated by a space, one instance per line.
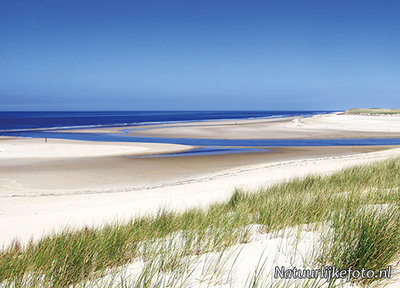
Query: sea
x=46 y=124
x=45 y=120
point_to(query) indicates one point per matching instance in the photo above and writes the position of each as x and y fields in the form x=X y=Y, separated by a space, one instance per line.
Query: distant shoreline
x=62 y=120
x=333 y=129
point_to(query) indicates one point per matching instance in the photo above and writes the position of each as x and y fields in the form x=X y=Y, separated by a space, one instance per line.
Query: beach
x=196 y=144
x=47 y=186
x=328 y=126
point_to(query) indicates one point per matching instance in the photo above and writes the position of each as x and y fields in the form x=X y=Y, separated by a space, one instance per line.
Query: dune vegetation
x=355 y=211
x=372 y=111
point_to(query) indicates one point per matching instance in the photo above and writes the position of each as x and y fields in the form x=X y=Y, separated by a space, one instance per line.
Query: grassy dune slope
x=360 y=205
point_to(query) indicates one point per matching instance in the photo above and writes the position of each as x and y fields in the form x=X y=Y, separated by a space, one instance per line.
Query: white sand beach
x=18 y=148
x=45 y=187
x=326 y=126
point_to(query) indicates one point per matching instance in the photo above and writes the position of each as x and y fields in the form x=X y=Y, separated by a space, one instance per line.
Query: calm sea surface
x=20 y=121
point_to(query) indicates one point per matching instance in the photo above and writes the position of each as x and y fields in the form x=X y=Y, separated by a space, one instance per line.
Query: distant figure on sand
x=45 y=139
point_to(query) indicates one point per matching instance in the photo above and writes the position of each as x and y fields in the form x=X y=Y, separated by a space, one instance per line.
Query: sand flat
x=54 y=175
x=31 y=211
x=21 y=148
x=81 y=183
x=329 y=126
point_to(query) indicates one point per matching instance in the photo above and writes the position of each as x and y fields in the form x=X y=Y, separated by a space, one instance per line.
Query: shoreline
x=87 y=182
x=322 y=126
x=91 y=128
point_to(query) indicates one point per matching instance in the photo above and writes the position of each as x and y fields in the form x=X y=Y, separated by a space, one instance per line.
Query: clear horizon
x=199 y=56
x=143 y=110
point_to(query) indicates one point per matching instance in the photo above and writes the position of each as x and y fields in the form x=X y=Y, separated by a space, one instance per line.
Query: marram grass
x=361 y=205
x=372 y=111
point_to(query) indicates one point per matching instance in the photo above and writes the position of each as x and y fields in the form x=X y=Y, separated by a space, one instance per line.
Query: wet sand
x=51 y=175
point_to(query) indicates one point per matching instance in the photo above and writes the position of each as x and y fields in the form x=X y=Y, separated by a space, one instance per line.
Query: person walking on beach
x=45 y=139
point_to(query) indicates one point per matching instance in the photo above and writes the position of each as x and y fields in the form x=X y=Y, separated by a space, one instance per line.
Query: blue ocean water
x=21 y=121
x=42 y=124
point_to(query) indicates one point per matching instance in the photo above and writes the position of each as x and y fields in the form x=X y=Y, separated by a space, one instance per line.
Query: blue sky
x=199 y=55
